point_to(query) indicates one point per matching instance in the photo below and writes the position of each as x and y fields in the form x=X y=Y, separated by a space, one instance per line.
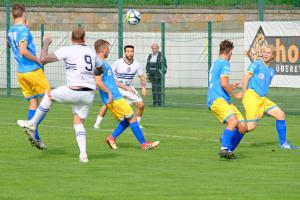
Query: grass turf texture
x=185 y=166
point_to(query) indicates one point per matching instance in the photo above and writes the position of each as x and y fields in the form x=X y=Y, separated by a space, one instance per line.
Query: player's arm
x=24 y=52
x=229 y=88
x=246 y=79
x=125 y=87
x=98 y=77
x=45 y=57
x=143 y=84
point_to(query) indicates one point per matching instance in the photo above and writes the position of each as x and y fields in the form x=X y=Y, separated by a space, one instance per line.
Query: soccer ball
x=133 y=17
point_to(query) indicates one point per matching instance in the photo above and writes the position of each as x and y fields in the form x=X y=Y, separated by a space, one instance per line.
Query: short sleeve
x=24 y=35
x=251 y=67
x=139 y=70
x=98 y=62
x=225 y=71
x=114 y=66
x=62 y=53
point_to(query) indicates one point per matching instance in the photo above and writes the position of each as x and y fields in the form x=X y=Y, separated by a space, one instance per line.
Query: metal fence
x=291 y=4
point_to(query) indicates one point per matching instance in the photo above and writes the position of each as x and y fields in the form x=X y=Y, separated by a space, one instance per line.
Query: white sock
x=81 y=138
x=98 y=120
x=41 y=110
x=139 y=119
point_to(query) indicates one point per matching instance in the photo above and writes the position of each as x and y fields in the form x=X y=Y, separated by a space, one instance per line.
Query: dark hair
x=100 y=44
x=226 y=46
x=128 y=47
x=78 y=35
x=18 y=10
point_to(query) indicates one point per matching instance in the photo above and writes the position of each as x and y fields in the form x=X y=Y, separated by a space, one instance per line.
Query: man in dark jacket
x=156 y=70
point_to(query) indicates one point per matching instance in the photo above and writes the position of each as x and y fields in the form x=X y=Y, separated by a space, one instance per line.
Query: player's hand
x=47 y=40
x=110 y=99
x=238 y=95
x=144 y=91
x=38 y=61
x=130 y=90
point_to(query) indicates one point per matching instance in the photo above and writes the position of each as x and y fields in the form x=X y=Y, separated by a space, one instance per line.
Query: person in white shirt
x=125 y=70
x=80 y=64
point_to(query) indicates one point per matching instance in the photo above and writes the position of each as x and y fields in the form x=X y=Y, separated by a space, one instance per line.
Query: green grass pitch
x=185 y=165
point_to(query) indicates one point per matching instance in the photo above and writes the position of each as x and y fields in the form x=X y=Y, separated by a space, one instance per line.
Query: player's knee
x=77 y=119
x=281 y=115
x=140 y=105
x=232 y=122
x=242 y=127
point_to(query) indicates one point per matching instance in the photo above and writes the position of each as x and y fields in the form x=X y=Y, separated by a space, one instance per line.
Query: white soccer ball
x=133 y=17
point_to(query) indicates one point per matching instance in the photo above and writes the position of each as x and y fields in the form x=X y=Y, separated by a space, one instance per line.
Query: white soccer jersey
x=80 y=65
x=125 y=72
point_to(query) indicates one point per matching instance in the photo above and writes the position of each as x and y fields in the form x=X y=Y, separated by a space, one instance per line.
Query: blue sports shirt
x=108 y=79
x=220 y=68
x=262 y=77
x=16 y=34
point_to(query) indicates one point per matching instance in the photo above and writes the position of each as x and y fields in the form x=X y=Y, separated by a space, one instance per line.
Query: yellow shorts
x=224 y=110
x=256 y=106
x=33 y=84
x=120 y=109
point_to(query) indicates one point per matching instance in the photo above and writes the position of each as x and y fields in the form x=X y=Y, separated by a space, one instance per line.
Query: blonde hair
x=270 y=46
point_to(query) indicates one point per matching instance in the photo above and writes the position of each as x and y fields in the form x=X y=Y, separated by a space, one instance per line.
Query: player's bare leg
x=139 y=111
x=279 y=115
x=80 y=138
x=100 y=116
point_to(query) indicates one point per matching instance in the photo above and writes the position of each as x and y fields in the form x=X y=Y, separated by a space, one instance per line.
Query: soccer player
x=113 y=99
x=256 y=84
x=79 y=92
x=31 y=77
x=125 y=69
x=219 y=101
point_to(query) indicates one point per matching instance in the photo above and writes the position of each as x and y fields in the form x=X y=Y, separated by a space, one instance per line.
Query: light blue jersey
x=15 y=35
x=220 y=68
x=108 y=79
x=262 y=77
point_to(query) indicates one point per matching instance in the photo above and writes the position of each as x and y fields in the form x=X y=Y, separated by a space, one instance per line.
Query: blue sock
x=137 y=132
x=123 y=124
x=281 y=130
x=236 y=139
x=30 y=114
x=226 y=138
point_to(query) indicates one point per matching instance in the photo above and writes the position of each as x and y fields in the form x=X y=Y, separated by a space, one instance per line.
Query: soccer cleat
x=39 y=144
x=150 y=145
x=224 y=153
x=111 y=141
x=28 y=130
x=83 y=159
x=286 y=145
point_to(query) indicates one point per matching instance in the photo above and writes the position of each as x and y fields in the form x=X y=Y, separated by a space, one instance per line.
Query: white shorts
x=131 y=97
x=80 y=100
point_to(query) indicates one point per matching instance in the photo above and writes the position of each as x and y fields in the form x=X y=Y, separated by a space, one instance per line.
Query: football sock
x=98 y=120
x=137 y=132
x=81 y=138
x=281 y=130
x=123 y=124
x=41 y=111
x=29 y=116
x=226 y=138
x=236 y=139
